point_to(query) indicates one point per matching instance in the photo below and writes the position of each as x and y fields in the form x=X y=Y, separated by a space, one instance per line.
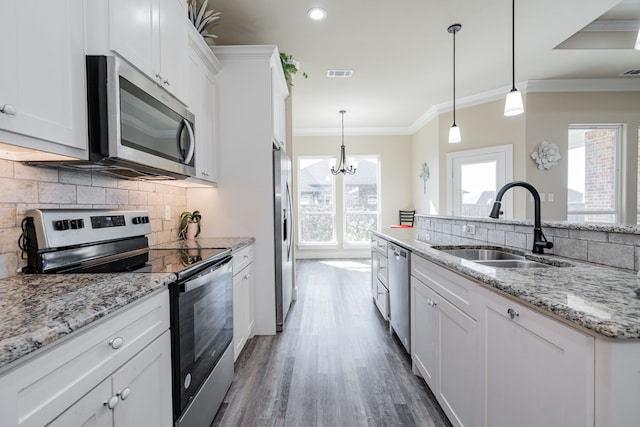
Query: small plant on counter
x=201 y=17
x=189 y=225
x=290 y=66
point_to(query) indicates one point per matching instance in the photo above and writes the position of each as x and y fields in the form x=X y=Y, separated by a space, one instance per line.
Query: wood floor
x=335 y=364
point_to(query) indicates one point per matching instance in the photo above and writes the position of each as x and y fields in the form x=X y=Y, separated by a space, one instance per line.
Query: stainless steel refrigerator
x=283 y=218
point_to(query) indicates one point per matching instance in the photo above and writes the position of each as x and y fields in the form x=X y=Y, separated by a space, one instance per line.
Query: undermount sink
x=482 y=254
x=512 y=263
x=497 y=257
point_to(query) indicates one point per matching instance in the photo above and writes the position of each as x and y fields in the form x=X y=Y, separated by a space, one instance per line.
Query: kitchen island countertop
x=601 y=300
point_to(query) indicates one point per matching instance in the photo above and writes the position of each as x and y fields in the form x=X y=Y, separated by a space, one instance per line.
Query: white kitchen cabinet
x=444 y=349
x=280 y=92
x=150 y=34
x=71 y=381
x=380 y=275
x=537 y=371
x=131 y=394
x=243 y=298
x=42 y=77
x=244 y=200
x=202 y=68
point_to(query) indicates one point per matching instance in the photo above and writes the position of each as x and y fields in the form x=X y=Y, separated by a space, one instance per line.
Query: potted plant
x=202 y=18
x=189 y=225
x=290 y=66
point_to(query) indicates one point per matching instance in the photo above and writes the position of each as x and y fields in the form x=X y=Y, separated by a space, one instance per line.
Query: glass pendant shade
x=638 y=41
x=513 y=104
x=454 y=134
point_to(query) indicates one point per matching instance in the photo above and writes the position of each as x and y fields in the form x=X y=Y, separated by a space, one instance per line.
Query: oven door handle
x=206 y=277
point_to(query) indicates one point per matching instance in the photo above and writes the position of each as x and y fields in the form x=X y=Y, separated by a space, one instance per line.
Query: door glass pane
x=592 y=174
x=478 y=188
x=316 y=207
x=361 y=201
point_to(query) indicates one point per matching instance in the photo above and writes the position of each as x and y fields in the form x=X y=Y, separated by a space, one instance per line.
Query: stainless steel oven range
x=99 y=241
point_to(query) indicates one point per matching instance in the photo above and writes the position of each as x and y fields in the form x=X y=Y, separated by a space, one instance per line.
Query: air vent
x=339 y=73
x=635 y=72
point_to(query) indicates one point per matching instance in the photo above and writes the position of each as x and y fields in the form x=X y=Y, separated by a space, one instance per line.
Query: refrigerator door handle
x=290 y=225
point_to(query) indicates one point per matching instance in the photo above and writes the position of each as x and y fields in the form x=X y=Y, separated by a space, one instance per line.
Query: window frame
x=617 y=186
x=316 y=245
x=345 y=243
x=500 y=153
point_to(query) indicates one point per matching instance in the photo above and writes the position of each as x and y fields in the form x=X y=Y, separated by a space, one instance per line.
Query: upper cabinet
x=150 y=34
x=42 y=77
x=279 y=92
x=202 y=68
x=255 y=73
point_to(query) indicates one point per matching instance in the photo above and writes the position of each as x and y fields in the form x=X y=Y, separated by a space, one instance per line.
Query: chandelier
x=343 y=166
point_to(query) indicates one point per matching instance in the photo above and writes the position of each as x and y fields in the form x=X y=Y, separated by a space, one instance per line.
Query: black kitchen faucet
x=539 y=241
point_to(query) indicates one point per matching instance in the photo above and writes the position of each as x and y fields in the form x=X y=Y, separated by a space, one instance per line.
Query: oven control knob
x=62 y=224
x=145 y=220
x=137 y=220
x=187 y=381
x=80 y=222
x=76 y=223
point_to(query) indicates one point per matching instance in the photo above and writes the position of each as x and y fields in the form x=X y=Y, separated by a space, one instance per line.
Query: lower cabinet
x=492 y=362
x=536 y=371
x=243 y=299
x=116 y=373
x=444 y=353
x=132 y=396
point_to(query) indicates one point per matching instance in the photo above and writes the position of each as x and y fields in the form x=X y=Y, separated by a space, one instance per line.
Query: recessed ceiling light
x=317 y=14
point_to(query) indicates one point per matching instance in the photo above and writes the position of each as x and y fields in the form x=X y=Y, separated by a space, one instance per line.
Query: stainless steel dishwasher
x=399 y=304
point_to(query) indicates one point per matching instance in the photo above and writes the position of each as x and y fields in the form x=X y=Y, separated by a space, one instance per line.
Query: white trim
x=621 y=84
x=506 y=150
x=334 y=255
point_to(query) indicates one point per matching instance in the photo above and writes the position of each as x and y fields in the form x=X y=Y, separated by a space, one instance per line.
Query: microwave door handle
x=185 y=124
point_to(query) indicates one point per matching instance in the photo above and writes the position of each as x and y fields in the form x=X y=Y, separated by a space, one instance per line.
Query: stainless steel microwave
x=134 y=125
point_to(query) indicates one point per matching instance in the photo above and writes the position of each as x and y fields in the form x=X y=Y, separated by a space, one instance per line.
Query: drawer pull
x=112 y=403
x=512 y=313
x=124 y=393
x=432 y=303
x=9 y=110
x=246 y=277
x=116 y=343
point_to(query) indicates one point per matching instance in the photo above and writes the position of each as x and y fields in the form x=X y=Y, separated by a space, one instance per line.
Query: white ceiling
x=401 y=52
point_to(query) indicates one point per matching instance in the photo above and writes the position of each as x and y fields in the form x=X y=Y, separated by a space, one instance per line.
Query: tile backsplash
x=615 y=246
x=25 y=187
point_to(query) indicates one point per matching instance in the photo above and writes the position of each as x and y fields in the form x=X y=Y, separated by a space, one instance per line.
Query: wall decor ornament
x=547 y=156
x=424 y=176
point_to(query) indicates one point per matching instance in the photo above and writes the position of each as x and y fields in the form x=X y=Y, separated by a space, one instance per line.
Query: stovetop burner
x=102 y=241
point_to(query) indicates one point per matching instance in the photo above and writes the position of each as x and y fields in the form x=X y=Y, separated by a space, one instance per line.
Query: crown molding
x=623 y=84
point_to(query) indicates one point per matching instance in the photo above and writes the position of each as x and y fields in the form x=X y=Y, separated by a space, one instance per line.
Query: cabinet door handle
x=512 y=313
x=124 y=393
x=9 y=110
x=112 y=402
x=116 y=343
x=166 y=82
x=432 y=303
x=246 y=277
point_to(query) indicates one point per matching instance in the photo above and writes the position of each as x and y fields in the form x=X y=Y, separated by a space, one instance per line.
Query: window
x=316 y=206
x=593 y=173
x=475 y=178
x=361 y=210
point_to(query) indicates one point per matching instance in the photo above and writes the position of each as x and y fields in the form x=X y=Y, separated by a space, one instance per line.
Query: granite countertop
x=598 y=298
x=38 y=309
x=233 y=243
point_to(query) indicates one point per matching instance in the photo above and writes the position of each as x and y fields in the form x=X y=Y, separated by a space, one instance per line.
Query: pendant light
x=638 y=40
x=343 y=166
x=454 y=132
x=513 y=104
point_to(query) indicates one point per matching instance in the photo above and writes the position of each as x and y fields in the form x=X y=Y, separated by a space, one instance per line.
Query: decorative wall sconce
x=424 y=176
x=547 y=155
